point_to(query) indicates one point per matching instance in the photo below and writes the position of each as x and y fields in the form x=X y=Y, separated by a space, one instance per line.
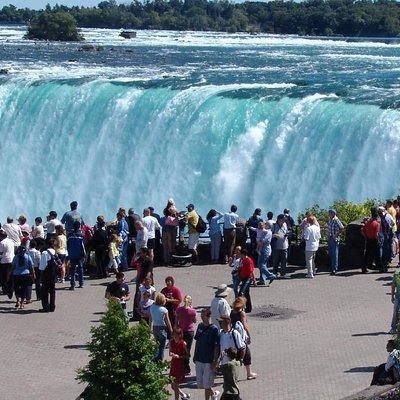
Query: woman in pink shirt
x=185 y=319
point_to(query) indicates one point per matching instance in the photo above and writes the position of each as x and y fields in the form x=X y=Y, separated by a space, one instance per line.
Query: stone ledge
x=371 y=392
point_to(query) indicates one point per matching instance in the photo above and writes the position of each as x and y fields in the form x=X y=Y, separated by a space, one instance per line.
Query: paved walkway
x=325 y=351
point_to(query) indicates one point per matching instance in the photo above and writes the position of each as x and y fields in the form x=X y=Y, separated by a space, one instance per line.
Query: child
x=179 y=353
x=146 y=286
x=234 y=263
x=230 y=374
x=261 y=231
x=144 y=306
x=113 y=253
x=35 y=256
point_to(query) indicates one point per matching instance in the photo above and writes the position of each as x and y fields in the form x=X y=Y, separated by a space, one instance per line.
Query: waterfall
x=106 y=143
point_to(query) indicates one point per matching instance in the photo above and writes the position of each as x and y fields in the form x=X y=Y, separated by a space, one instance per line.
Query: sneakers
x=185 y=396
x=215 y=395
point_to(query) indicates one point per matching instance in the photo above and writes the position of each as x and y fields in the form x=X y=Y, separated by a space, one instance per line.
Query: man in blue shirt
x=206 y=354
x=70 y=217
x=76 y=254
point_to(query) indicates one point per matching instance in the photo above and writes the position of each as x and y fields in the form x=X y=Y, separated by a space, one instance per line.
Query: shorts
x=193 y=240
x=204 y=375
x=151 y=243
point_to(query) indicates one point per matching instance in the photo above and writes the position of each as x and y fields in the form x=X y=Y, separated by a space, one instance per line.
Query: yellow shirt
x=113 y=251
x=61 y=244
x=193 y=220
x=392 y=211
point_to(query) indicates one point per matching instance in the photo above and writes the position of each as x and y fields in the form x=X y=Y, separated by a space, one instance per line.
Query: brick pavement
x=324 y=352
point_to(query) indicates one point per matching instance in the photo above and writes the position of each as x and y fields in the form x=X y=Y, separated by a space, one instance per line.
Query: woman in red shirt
x=179 y=354
x=246 y=275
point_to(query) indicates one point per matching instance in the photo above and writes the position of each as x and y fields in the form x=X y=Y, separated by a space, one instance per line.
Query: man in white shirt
x=219 y=305
x=142 y=237
x=6 y=257
x=230 y=221
x=312 y=236
x=51 y=225
x=229 y=338
x=13 y=231
x=151 y=224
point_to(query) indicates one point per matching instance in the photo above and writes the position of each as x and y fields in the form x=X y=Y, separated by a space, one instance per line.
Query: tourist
x=230 y=221
x=206 y=354
x=246 y=275
x=113 y=253
x=229 y=338
x=35 y=256
x=51 y=224
x=280 y=246
x=123 y=232
x=305 y=222
x=173 y=297
x=186 y=319
x=49 y=267
x=288 y=219
x=395 y=296
x=157 y=238
x=371 y=231
x=23 y=224
x=214 y=231
x=131 y=219
x=13 y=231
x=23 y=275
x=162 y=327
x=234 y=263
x=142 y=236
x=7 y=255
x=170 y=230
x=239 y=323
x=179 y=354
x=335 y=228
x=99 y=243
x=70 y=217
x=151 y=223
x=192 y=218
x=230 y=376
x=264 y=257
x=270 y=218
x=386 y=237
x=312 y=236
x=147 y=287
x=144 y=307
x=261 y=231
x=61 y=250
x=119 y=291
x=253 y=223
x=388 y=373
x=219 y=305
x=76 y=254
x=37 y=231
x=392 y=211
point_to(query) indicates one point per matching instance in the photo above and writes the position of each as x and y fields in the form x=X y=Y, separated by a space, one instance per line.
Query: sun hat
x=222 y=291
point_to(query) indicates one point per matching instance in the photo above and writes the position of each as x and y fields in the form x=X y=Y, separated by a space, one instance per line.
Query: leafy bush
x=59 y=26
x=121 y=366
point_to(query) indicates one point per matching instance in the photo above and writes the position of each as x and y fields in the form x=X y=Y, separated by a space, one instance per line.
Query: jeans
x=262 y=264
x=215 y=246
x=279 y=258
x=236 y=283
x=160 y=335
x=245 y=291
x=396 y=306
x=76 y=266
x=310 y=262
x=386 y=252
x=333 y=247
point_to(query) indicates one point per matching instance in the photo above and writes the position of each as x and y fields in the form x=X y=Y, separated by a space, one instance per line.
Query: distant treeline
x=312 y=17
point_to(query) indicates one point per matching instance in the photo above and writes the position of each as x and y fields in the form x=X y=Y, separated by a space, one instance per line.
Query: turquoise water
x=212 y=119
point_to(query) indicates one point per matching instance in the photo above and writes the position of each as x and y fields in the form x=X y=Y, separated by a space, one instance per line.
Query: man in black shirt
x=119 y=290
x=131 y=219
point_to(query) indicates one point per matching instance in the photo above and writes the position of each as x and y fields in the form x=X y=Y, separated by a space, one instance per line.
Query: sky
x=42 y=3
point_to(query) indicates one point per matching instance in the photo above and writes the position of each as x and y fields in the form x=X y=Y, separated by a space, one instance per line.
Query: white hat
x=222 y=291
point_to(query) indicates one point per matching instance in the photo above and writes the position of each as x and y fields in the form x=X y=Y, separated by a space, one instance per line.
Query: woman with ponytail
x=185 y=319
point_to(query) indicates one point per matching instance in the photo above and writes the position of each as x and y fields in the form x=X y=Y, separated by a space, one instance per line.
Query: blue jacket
x=75 y=247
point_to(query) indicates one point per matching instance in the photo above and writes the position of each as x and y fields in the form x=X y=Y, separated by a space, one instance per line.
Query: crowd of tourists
x=67 y=249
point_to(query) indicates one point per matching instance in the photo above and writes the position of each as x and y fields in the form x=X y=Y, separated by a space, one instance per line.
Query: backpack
x=201 y=226
x=50 y=273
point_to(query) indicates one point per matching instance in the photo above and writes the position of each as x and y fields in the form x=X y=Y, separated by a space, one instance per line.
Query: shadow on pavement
x=369 y=334
x=361 y=369
x=76 y=347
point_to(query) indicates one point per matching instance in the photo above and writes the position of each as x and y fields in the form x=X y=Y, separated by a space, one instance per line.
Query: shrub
x=57 y=26
x=121 y=366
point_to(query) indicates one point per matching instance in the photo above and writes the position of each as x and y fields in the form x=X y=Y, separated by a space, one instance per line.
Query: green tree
x=120 y=365
x=58 y=26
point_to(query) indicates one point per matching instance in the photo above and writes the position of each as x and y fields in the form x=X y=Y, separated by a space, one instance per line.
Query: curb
x=371 y=392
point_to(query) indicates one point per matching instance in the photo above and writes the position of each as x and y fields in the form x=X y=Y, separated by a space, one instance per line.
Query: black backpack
x=50 y=273
x=201 y=226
